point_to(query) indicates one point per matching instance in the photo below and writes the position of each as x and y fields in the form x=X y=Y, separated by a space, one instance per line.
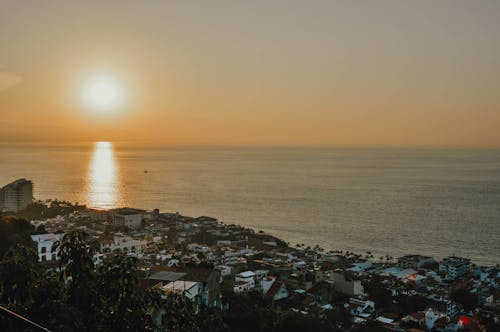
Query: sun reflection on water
x=102 y=179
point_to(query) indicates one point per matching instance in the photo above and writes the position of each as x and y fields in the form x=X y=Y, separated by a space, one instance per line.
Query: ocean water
x=392 y=201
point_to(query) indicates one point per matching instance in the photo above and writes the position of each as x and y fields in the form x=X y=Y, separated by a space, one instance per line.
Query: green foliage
x=173 y=313
x=298 y=322
x=76 y=253
x=122 y=304
x=467 y=299
x=250 y=312
x=378 y=293
x=49 y=209
x=14 y=231
x=370 y=326
x=407 y=304
x=82 y=297
x=18 y=277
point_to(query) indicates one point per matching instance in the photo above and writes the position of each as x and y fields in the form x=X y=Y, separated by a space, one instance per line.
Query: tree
x=370 y=326
x=172 y=312
x=378 y=293
x=467 y=299
x=76 y=253
x=250 y=312
x=294 y=321
x=122 y=304
x=18 y=277
x=40 y=230
x=14 y=231
x=51 y=308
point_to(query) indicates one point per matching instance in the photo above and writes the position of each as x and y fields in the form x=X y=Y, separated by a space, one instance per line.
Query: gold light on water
x=102 y=185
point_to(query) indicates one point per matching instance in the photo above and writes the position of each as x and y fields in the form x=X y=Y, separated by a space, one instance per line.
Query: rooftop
x=167 y=276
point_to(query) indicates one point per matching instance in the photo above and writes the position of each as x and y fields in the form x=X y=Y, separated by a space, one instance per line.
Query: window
x=44 y=250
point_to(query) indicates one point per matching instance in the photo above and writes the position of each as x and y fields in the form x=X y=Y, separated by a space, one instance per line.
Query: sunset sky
x=253 y=72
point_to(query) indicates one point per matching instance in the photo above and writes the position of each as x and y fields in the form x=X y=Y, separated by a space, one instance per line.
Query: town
x=208 y=261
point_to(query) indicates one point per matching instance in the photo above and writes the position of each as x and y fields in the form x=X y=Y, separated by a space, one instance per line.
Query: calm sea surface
x=389 y=201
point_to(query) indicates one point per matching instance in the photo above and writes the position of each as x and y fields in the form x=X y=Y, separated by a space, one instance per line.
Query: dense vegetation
x=49 y=209
x=76 y=295
x=81 y=297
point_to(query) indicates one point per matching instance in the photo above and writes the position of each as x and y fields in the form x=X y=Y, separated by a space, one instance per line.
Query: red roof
x=419 y=315
x=274 y=289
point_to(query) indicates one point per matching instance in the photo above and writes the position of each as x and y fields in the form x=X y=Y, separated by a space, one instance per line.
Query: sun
x=103 y=94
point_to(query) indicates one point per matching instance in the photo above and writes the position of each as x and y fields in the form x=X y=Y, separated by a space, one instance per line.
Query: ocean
x=390 y=201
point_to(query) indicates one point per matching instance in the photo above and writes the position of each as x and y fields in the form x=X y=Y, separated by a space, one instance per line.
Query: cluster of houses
x=204 y=259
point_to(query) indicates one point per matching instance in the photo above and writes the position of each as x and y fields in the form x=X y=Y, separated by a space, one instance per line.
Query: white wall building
x=189 y=289
x=247 y=276
x=131 y=218
x=347 y=286
x=44 y=244
x=126 y=244
x=242 y=286
x=361 y=308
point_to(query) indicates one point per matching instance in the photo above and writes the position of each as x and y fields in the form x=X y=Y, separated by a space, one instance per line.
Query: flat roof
x=167 y=276
x=246 y=274
x=179 y=286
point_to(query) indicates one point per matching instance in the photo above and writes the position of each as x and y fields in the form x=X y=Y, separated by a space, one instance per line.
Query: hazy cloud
x=8 y=80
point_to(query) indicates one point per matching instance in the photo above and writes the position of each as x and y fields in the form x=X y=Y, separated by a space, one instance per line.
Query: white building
x=189 y=289
x=277 y=291
x=126 y=244
x=16 y=196
x=454 y=267
x=44 y=244
x=130 y=218
x=348 y=286
x=266 y=284
x=361 y=308
x=244 y=282
x=247 y=276
x=224 y=270
x=414 y=261
x=242 y=286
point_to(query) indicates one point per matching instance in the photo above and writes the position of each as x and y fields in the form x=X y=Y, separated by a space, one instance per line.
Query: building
x=244 y=282
x=125 y=244
x=277 y=291
x=44 y=244
x=16 y=196
x=414 y=261
x=345 y=284
x=454 y=267
x=127 y=217
x=445 y=307
x=189 y=289
x=361 y=308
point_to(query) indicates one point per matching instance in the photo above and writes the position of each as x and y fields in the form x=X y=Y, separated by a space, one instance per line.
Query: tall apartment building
x=16 y=195
x=454 y=267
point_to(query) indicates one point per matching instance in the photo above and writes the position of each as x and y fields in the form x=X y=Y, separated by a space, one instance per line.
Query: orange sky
x=255 y=72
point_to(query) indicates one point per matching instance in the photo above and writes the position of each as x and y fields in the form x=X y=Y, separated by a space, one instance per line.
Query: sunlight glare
x=103 y=94
x=102 y=191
